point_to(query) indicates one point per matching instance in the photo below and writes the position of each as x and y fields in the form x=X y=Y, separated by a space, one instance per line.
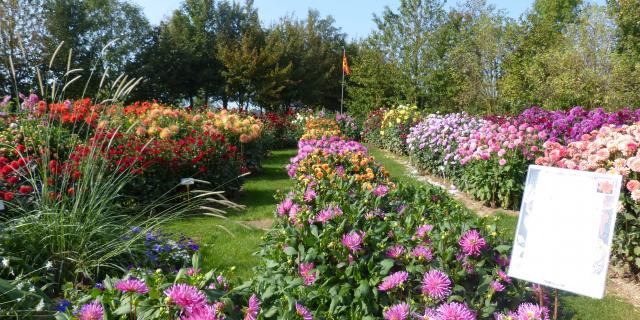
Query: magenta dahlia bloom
x=395 y=251
x=422 y=230
x=472 y=243
x=186 y=296
x=497 y=286
x=454 y=311
x=436 y=284
x=399 y=311
x=132 y=285
x=284 y=206
x=353 y=240
x=306 y=273
x=428 y=314
x=92 y=311
x=380 y=190
x=504 y=277
x=422 y=252
x=253 y=308
x=393 y=280
x=203 y=312
x=309 y=194
x=530 y=311
x=328 y=213
x=303 y=312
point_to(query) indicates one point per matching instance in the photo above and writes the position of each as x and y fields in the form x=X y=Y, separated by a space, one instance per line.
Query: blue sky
x=353 y=16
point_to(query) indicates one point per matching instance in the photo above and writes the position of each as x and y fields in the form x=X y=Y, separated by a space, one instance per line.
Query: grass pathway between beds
x=221 y=250
x=612 y=307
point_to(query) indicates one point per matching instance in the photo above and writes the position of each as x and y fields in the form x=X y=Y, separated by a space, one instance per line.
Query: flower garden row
x=84 y=187
x=158 y=144
x=488 y=157
x=347 y=243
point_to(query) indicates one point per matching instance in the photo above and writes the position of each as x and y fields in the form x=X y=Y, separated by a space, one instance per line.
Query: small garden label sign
x=565 y=228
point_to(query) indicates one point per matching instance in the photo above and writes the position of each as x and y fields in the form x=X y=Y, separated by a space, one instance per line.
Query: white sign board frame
x=565 y=229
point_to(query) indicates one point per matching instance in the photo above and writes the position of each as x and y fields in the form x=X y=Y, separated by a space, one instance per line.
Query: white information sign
x=564 y=232
x=187 y=181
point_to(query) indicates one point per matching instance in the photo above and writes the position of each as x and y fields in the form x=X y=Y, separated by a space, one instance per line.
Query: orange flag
x=345 y=65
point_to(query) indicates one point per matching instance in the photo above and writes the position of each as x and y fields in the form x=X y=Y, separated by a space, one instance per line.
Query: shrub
x=433 y=142
x=371 y=127
x=348 y=126
x=395 y=127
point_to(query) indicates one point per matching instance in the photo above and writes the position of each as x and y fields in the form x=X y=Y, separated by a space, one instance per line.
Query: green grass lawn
x=571 y=306
x=221 y=250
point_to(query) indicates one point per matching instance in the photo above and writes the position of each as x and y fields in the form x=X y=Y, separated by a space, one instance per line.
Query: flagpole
x=342 y=93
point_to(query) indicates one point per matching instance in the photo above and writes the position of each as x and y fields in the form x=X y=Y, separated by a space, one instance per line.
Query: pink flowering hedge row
x=349 y=243
x=489 y=157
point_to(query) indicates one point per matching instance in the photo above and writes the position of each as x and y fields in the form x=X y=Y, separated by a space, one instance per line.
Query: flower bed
x=349 y=243
x=159 y=144
x=488 y=157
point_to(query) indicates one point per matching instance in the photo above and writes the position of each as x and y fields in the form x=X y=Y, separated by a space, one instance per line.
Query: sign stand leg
x=541 y=297
x=188 y=195
x=555 y=305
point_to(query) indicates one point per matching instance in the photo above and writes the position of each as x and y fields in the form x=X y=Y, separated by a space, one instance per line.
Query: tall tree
x=98 y=35
x=540 y=30
x=22 y=33
x=407 y=39
x=477 y=54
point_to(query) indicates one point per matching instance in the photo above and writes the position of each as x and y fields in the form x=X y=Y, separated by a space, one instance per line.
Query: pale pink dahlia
x=185 y=296
x=132 y=285
x=472 y=243
x=436 y=284
x=397 y=312
x=393 y=280
x=253 y=308
x=530 y=311
x=422 y=252
x=454 y=311
x=303 y=312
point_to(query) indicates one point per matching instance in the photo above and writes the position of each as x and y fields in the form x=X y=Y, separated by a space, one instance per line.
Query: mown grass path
x=221 y=250
x=612 y=307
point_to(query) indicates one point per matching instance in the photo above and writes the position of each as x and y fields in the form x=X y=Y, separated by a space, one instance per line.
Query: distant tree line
x=471 y=57
x=474 y=58
x=206 y=51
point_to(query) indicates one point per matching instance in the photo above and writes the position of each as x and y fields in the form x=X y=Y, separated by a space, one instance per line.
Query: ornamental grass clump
x=65 y=217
